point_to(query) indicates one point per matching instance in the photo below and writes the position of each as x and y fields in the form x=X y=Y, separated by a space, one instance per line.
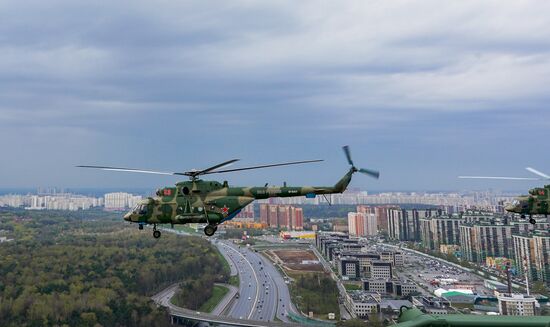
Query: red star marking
x=225 y=209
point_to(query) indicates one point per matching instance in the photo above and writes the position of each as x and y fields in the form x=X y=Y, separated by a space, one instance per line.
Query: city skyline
x=422 y=95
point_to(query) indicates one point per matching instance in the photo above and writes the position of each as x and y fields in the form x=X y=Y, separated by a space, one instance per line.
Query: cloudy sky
x=421 y=90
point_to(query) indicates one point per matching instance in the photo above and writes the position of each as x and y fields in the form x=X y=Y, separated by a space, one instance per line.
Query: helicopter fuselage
x=211 y=202
x=536 y=203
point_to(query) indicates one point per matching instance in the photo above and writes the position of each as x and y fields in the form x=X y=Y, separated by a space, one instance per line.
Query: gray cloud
x=102 y=80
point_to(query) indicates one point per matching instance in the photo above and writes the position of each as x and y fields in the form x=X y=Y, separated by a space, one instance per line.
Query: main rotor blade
x=348 y=154
x=205 y=171
x=536 y=172
x=132 y=170
x=502 y=177
x=264 y=166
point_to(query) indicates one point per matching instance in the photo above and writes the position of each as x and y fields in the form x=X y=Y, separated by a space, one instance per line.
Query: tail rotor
x=369 y=172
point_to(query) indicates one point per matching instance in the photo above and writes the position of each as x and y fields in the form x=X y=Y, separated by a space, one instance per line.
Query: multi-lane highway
x=263 y=292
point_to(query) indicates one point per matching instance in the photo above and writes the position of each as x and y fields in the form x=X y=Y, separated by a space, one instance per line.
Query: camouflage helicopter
x=536 y=203
x=211 y=202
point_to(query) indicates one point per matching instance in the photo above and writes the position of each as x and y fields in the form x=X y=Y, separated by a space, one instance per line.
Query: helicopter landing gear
x=209 y=230
x=532 y=220
x=156 y=233
x=140 y=226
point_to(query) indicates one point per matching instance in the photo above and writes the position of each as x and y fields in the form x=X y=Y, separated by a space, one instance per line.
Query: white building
x=381 y=270
x=362 y=304
x=121 y=201
x=516 y=304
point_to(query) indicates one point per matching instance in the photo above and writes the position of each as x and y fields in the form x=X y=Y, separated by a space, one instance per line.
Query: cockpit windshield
x=515 y=202
x=140 y=209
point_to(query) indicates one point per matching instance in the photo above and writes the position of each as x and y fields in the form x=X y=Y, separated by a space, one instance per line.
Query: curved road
x=263 y=293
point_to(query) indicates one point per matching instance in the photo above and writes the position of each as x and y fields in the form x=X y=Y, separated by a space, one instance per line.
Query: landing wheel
x=156 y=233
x=522 y=216
x=209 y=230
x=140 y=227
x=532 y=221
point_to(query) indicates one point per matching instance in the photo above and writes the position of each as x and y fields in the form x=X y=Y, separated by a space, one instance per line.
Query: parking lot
x=432 y=274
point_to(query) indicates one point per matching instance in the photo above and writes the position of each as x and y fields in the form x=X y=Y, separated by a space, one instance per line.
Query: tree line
x=65 y=270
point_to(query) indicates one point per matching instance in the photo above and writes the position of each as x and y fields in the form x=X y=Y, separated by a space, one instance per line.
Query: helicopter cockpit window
x=143 y=209
x=515 y=202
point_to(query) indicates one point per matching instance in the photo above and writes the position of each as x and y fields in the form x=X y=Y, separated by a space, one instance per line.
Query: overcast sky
x=421 y=90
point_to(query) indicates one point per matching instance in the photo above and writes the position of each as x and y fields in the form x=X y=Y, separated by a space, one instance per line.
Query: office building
x=381 y=269
x=361 y=304
x=395 y=287
x=348 y=267
x=516 y=304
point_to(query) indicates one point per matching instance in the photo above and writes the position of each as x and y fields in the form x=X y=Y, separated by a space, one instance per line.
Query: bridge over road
x=163 y=299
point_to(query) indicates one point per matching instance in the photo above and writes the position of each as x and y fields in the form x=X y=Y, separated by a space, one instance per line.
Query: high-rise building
x=404 y=225
x=532 y=255
x=246 y=214
x=441 y=230
x=494 y=240
x=121 y=201
x=380 y=212
x=273 y=216
x=524 y=255
x=468 y=244
x=264 y=213
x=542 y=256
x=297 y=218
x=356 y=223
x=362 y=224
x=284 y=217
x=482 y=240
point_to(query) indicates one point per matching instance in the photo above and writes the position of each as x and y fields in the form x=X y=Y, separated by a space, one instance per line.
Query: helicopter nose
x=128 y=216
x=509 y=208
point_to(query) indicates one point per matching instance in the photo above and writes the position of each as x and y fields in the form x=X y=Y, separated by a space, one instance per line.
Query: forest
x=315 y=292
x=92 y=269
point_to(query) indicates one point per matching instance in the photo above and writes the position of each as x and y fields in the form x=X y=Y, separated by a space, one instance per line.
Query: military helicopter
x=212 y=202
x=536 y=203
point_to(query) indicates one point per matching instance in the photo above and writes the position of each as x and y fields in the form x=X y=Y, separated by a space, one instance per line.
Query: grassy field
x=217 y=295
x=234 y=280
